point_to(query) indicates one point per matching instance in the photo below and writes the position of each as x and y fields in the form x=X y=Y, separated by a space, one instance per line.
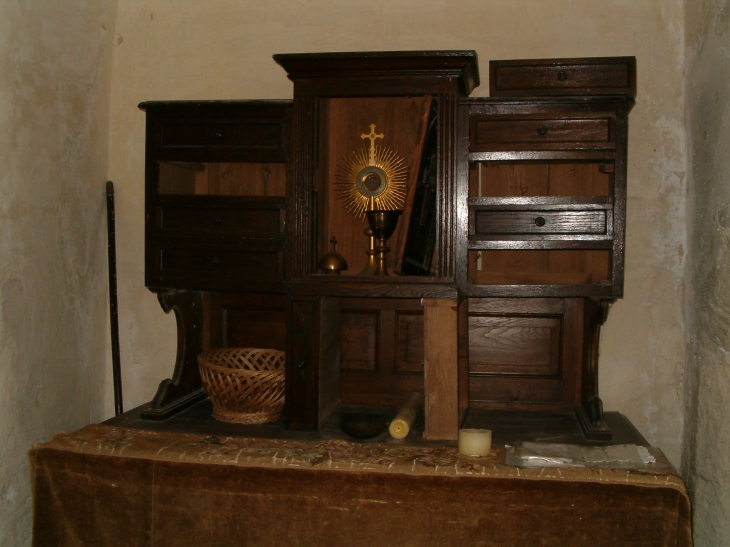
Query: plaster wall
x=707 y=439
x=169 y=49
x=55 y=67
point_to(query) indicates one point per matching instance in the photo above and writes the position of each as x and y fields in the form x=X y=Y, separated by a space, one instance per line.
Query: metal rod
x=113 y=309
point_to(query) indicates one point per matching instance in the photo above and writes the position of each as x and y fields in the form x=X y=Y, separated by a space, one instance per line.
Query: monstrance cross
x=372 y=136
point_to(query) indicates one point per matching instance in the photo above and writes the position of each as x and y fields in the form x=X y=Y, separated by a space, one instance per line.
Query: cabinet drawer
x=257 y=220
x=254 y=264
x=588 y=76
x=492 y=133
x=252 y=135
x=592 y=222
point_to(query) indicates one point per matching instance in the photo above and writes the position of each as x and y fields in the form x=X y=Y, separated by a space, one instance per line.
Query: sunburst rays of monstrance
x=372 y=182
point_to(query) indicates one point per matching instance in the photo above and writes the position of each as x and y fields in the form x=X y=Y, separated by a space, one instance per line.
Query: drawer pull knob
x=542 y=130
x=540 y=221
x=218 y=220
x=219 y=134
x=301 y=365
x=562 y=75
x=217 y=261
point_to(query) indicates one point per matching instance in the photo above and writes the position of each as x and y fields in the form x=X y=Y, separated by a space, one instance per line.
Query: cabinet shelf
x=525 y=202
x=367 y=286
x=537 y=291
x=517 y=243
x=536 y=155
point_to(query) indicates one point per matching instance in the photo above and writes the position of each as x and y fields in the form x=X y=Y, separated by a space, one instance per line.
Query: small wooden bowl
x=362 y=425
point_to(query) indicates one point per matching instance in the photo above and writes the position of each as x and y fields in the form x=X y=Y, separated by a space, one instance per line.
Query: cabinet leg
x=441 y=368
x=590 y=411
x=185 y=387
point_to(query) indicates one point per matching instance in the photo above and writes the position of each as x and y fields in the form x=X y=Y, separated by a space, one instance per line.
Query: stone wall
x=55 y=74
x=707 y=439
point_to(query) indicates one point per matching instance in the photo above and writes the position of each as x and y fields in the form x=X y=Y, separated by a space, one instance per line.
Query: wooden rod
x=113 y=308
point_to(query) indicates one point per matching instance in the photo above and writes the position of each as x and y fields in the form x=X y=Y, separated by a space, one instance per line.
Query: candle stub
x=475 y=442
x=401 y=424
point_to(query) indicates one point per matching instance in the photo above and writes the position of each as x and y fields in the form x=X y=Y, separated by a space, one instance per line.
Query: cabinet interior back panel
x=381 y=349
x=402 y=122
x=538 y=179
x=540 y=267
x=222 y=179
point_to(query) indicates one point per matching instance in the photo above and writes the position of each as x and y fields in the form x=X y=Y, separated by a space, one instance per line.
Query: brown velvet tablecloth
x=111 y=486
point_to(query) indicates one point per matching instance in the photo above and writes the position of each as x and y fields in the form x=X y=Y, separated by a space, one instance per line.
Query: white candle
x=475 y=442
x=401 y=424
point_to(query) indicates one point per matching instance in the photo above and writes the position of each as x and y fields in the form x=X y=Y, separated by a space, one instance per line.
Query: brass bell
x=332 y=263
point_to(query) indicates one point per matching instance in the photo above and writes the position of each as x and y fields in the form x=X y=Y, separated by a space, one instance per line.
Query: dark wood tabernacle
x=504 y=262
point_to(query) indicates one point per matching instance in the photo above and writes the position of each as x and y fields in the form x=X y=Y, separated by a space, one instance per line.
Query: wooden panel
x=492 y=179
x=248 y=179
x=401 y=120
x=256 y=328
x=178 y=177
x=525 y=353
x=382 y=350
x=409 y=345
x=248 y=320
x=359 y=340
x=441 y=369
x=463 y=338
x=579 y=179
x=540 y=222
x=522 y=346
x=540 y=179
x=423 y=165
x=330 y=318
x=313 y=361
x=587 y=76
x=225 y=179
x=302 y=379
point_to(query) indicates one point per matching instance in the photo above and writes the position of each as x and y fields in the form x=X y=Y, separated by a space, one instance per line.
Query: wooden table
x=124 y=486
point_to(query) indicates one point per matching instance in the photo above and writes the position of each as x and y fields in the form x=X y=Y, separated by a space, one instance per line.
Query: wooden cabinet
x=216 y=194
x=215 y=202
x=546 y=224
x=508 y=252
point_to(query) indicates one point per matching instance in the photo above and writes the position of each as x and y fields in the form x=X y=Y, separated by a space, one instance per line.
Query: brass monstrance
x=372 y=183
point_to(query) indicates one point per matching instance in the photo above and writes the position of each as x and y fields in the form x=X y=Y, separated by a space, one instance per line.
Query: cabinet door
x=525 y=354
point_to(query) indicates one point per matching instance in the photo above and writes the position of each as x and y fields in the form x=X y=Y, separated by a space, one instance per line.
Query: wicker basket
x=246 y=385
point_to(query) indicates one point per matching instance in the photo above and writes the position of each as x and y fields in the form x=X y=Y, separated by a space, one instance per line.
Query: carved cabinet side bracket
x=185 y=387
